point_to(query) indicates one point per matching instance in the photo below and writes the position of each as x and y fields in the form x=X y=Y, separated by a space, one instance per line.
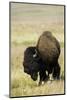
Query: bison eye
x=34 y=55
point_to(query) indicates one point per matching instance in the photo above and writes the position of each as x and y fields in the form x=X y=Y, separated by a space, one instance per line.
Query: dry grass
x=23 y=85
x=24 y=33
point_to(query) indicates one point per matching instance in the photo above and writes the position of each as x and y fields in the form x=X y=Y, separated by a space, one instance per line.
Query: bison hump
x=48 y=47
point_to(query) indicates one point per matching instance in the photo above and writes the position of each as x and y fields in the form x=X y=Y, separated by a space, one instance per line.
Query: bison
x=43 y=58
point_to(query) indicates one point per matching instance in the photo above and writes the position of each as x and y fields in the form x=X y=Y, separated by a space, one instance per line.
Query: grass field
x=27 y=24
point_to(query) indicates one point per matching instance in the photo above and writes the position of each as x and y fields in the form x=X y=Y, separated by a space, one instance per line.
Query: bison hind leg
x=56 y=71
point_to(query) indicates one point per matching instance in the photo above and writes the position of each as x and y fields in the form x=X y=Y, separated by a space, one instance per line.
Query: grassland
x=27 y=24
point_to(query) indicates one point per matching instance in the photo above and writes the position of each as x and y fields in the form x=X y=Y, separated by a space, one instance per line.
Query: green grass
x=15 y=43
x=24 y=43
x=62 y=44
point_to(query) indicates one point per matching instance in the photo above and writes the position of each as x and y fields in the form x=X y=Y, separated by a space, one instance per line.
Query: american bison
x=43 y=58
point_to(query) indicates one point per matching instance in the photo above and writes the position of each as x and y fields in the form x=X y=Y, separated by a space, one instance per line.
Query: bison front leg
x=43 y=76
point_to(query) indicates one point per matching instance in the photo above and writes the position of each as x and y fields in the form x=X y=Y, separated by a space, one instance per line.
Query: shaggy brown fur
x=48 y=49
